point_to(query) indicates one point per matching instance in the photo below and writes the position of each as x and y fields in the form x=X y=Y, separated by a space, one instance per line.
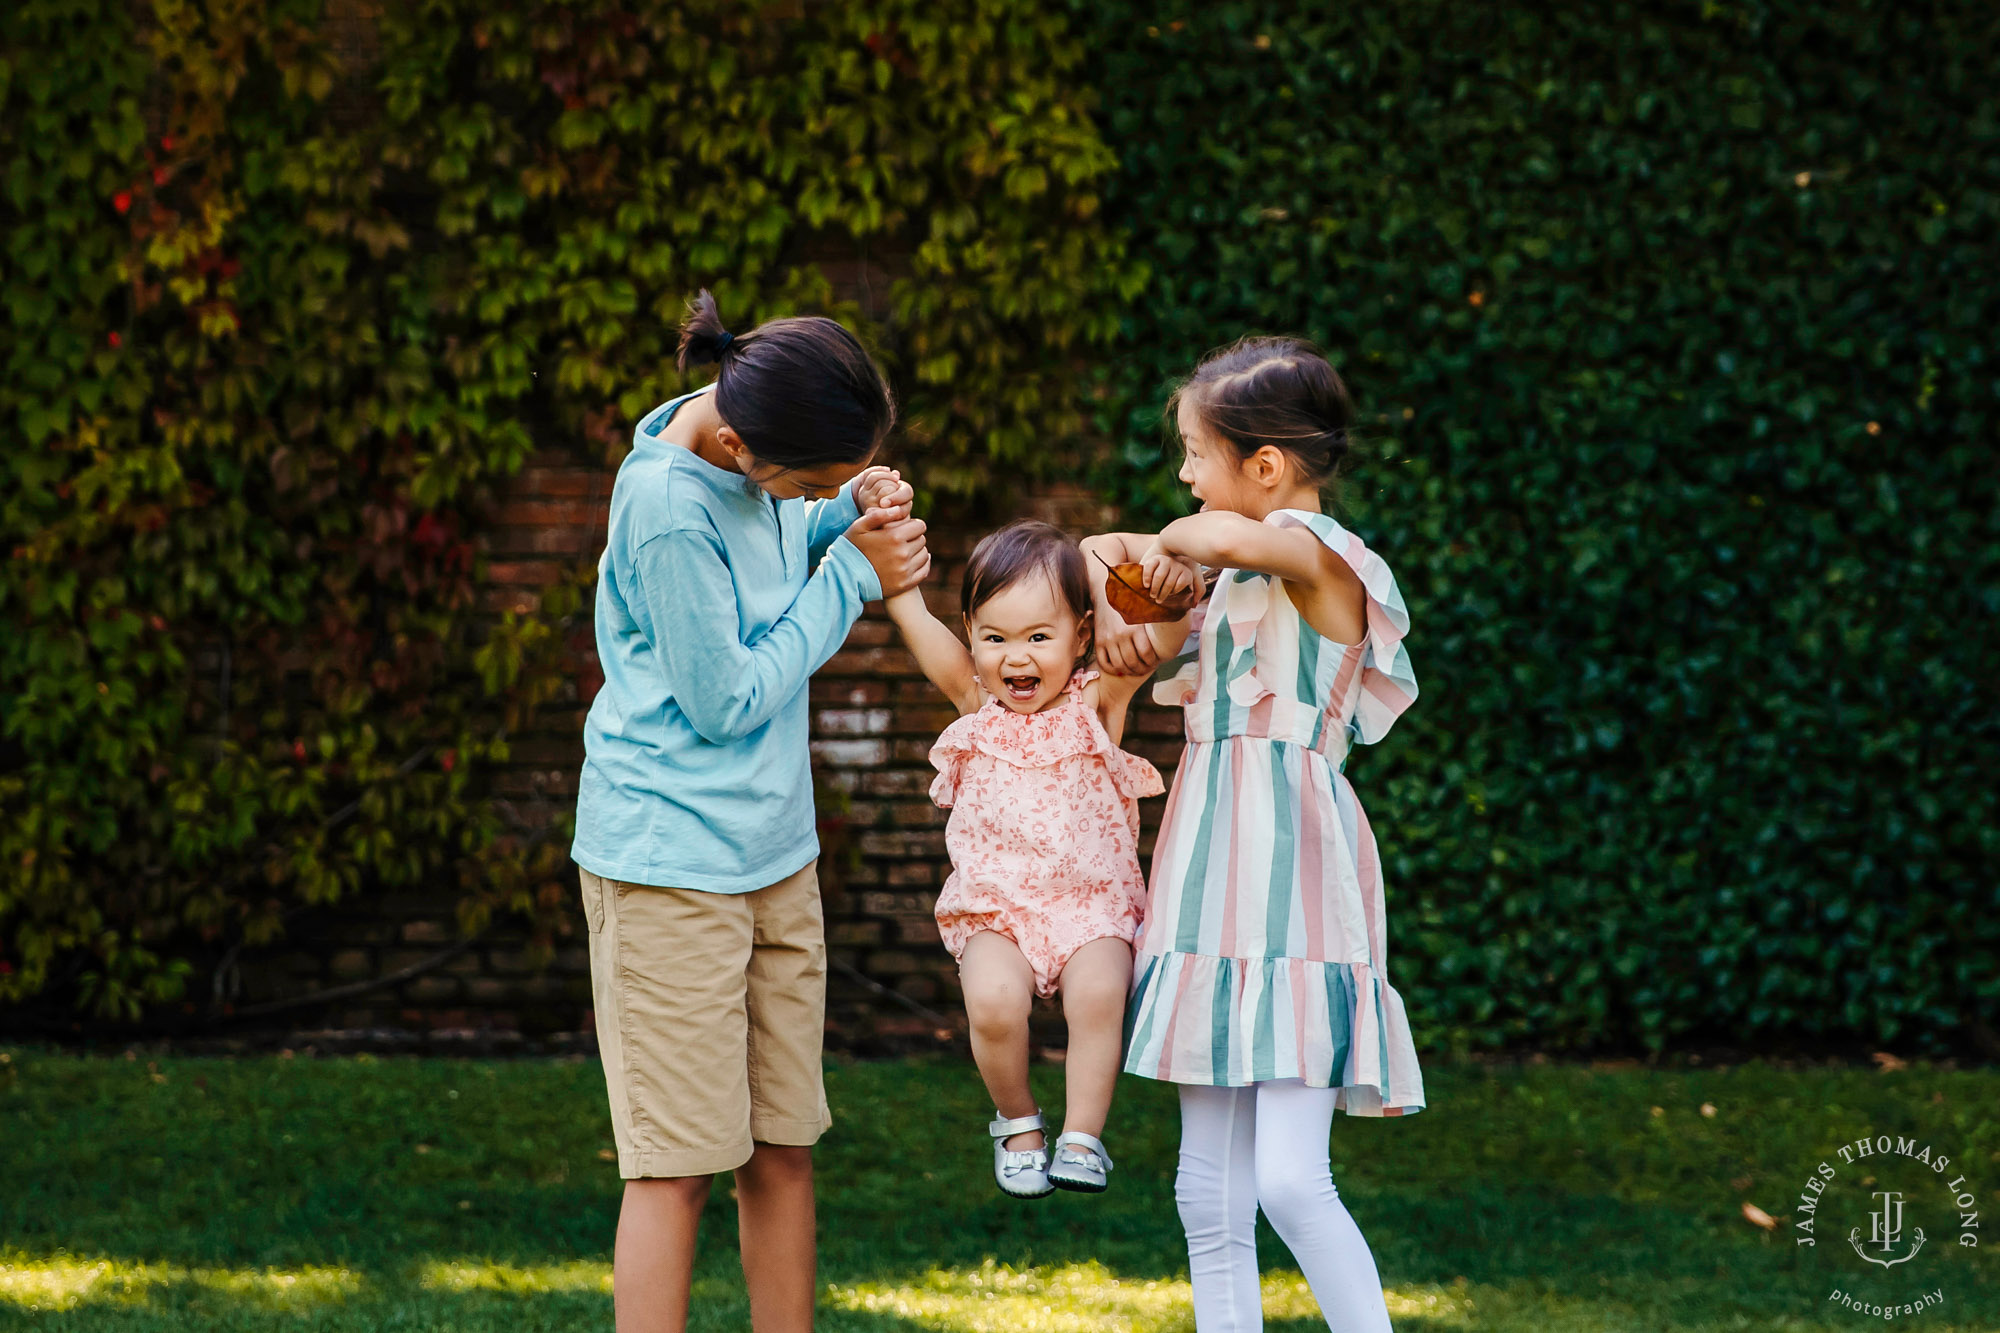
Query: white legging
x=1266 y=1146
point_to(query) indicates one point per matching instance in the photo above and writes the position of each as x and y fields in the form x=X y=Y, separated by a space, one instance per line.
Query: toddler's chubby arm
x=1325 y=587
x=938 y=651
x=1128 y=653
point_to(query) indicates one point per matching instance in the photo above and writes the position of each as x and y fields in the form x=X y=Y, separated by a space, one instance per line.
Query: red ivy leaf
x=429 y=533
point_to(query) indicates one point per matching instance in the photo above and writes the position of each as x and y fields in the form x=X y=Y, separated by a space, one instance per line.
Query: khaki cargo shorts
x=711 y=1012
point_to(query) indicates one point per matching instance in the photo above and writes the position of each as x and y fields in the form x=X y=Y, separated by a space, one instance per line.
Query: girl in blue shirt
x=747 y=530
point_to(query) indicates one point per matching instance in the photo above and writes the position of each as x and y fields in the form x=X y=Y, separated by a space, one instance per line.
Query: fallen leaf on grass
x=1757 y=1217
x=1888 y=1063
x=606 y=1155
x=1708 y=1110
x=1741 y=1183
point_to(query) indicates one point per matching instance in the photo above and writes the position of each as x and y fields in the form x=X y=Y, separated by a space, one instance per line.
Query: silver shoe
x=1025 y=1175
x=1080 y=1163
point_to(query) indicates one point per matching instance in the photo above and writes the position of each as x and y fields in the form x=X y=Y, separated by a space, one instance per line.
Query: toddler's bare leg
x=1094 y=985
x=999 y=987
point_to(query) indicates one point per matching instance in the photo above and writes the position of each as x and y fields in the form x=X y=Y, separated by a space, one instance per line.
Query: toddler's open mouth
x=1022 y=688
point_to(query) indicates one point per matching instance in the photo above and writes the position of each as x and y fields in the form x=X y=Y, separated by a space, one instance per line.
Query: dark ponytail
x=1277 y=391
x=801 y=392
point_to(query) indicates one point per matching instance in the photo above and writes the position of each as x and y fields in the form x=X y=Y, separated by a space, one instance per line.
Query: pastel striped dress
x=1264 y=949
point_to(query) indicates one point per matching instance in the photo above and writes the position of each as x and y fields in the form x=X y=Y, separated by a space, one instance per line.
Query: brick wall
x=874 y=717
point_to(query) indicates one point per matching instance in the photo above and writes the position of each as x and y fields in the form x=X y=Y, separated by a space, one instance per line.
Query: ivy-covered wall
x=1672 y=330
x=290 y=291
x=1670 y=327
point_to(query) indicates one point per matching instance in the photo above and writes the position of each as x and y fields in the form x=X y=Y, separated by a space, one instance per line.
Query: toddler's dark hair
x=1277 y=391
x=802 y=392
x=1017 y=551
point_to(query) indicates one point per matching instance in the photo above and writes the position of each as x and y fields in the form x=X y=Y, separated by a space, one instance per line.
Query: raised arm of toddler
x=945 y=660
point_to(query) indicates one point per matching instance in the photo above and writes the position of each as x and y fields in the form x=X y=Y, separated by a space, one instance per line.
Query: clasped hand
x=885 y=533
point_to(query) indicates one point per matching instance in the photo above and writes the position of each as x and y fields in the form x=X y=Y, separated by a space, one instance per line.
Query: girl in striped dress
x=1259 y=975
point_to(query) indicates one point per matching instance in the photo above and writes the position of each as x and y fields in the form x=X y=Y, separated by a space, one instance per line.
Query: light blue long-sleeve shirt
x=710 y=621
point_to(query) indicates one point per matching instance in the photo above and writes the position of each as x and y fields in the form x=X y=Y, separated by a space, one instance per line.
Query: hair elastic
x=722 y=341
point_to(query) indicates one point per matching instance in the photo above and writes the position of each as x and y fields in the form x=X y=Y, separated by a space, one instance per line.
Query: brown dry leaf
x=1125 y=589
x=606 y=1155
x=1888 y=1063
x=1757 y=1217
x=1708 y=1110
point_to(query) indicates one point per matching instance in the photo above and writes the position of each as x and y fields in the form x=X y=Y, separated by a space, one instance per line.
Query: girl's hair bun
x=703 y=339
x=800 y=392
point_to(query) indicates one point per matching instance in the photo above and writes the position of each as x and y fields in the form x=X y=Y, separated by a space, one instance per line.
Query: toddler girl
x=1261 y=985
x=1045 y=893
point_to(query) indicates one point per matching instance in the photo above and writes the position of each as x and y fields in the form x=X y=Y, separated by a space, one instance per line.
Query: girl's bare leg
x=652 y=1266
x=999 y=987
x=1094 y=985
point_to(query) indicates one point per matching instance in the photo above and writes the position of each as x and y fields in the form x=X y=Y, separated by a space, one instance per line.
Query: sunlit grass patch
x=1443 y=1307
x=65 y=1282
x=1076 y=1298
x=996 y=1297
x=280 y=1289
x=534 y=1280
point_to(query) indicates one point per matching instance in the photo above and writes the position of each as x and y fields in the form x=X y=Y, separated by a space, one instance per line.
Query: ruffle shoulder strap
x=1388 y=681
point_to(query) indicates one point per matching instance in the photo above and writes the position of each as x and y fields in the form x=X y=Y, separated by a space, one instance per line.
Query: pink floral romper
x=1044 y=831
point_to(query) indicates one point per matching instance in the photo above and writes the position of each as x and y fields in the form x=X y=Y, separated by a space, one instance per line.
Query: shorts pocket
x=594 y=890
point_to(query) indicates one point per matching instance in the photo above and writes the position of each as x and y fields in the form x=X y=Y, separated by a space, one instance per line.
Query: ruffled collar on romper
x=1038 y=740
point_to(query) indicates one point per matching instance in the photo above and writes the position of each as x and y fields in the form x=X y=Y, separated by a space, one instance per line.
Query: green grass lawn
x=402 y=1194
